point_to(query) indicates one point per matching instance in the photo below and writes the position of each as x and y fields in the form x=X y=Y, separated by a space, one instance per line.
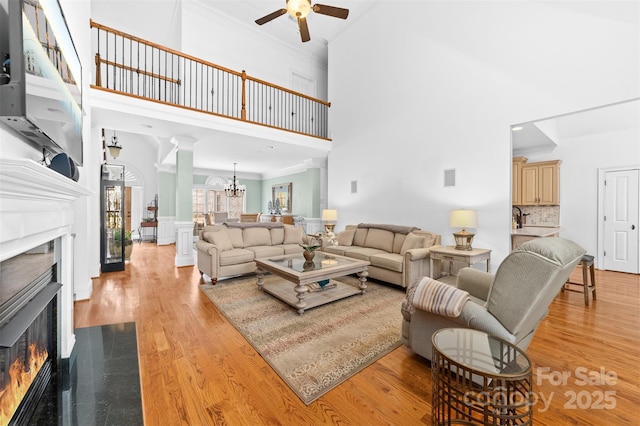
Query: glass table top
x=480 y=351
x=320 y=261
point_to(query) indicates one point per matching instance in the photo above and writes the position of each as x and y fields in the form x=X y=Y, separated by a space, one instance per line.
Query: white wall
x=440 y=91
x=159 y=21
x=581 y=158
x=87 y=209
x=138 y=154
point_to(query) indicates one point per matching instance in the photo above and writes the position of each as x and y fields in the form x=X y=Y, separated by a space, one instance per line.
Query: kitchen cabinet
x=540 y=184
x=516 y=183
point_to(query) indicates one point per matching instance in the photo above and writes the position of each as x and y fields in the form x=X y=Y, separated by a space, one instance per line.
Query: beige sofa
x=398 y=254
x=230 y=249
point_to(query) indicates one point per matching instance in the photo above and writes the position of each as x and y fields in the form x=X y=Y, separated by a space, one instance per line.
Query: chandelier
x=233 y=188
x=114 y=146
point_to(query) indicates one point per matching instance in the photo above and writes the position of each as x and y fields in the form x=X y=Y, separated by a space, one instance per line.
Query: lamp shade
x=463 y=219
x=329 y=215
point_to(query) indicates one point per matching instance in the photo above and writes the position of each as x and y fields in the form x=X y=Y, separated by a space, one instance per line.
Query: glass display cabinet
x=112 y=236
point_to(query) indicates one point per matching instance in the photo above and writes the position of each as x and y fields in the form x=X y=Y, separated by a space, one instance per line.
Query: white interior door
x=621 y=221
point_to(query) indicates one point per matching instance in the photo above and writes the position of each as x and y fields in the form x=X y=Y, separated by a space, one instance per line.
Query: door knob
x=633 y=227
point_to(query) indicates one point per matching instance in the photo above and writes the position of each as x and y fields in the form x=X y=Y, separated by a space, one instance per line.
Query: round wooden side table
x=479 y=379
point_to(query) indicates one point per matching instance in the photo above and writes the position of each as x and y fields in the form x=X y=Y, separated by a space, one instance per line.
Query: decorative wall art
x=282 y=193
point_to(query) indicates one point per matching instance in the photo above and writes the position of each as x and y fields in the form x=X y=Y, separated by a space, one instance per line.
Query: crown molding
x=312 y=163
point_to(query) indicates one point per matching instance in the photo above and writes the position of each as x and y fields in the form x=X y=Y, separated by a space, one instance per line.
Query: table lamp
x=463 y=219
x=329 y=217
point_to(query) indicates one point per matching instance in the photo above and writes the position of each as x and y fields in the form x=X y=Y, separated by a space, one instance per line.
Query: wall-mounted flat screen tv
x=42 y=94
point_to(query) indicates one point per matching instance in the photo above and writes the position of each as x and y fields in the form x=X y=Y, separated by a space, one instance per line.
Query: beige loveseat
x=229 y=249
x=398 y=254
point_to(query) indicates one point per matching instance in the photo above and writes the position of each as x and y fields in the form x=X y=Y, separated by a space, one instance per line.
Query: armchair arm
x=208 y=262
x=207 y=247
x=478 y=318
x=416 y=265
x=476 y=283
x=417 y=254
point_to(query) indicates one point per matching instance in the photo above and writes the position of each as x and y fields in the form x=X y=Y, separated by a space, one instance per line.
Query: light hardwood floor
x=196 y=369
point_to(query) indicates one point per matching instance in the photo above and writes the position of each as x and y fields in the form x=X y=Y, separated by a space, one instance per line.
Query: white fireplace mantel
x=37 y=206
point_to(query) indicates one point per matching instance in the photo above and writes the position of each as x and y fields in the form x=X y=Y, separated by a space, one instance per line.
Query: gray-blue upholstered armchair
x=509 y=305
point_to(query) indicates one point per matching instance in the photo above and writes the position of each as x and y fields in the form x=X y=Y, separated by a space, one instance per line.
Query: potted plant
x=128 y=245
x=313 y=244
x=115 y=244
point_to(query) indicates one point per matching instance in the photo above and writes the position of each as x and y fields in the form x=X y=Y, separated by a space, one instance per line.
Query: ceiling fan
x=299 y=9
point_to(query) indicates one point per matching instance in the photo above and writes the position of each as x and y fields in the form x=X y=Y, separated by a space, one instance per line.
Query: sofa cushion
x=360 y=237
x=262 y=252
x=292 y=235
x=398 y=240
x=345 y=238
x=235 y=256
x=390 y=261
x=363 y=253
x=412 y=241
x=392 y=228
x=213 y=228
x=339 y=249
x=220 y=239
x=207 y=236
x=380 y=239
x=291 y=248
x=277 y=236
x=236 y=237
x=430 y=239
x=256 y=237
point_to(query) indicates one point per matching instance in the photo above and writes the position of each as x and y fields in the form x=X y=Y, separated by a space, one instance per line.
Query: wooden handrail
x=99 y=60
x=242 y=74
x=234 y=95
x=160 y=47
x=284 y=89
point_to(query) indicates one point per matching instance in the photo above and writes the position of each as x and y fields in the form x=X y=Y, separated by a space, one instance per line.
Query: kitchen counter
x=519 y=236
x=536 y=231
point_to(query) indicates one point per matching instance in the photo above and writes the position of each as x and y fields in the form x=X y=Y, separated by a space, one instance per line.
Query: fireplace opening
x=29 y=355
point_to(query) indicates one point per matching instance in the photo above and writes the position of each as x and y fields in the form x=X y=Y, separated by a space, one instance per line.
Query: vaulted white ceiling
x=545 y=134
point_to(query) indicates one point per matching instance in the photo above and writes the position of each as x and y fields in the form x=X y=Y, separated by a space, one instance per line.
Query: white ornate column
x=184 y=201
x=166 y=229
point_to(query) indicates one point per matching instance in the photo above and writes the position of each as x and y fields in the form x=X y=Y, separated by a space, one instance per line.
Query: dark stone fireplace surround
x=36 y=206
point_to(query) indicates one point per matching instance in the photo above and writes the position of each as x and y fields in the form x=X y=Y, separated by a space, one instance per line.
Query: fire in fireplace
x=28 y=332
x=25 y=360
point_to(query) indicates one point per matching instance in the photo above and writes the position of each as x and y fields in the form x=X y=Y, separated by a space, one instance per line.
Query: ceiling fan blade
x=336 y=12
x=304 y=29
x=271 y=16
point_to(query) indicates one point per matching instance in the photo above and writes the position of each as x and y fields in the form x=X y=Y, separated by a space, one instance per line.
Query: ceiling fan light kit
x=299 y=9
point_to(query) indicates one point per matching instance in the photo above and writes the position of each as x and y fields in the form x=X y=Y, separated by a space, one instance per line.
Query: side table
x=479 y=379
x=450 y=253
x=153 y=225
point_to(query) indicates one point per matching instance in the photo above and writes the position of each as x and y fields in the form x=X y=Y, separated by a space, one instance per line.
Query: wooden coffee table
x=298 y=274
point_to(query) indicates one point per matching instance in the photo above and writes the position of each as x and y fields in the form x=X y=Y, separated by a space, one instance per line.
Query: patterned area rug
x=316 y=351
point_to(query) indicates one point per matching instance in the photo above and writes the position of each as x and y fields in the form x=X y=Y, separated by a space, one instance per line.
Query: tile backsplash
x=541 y=215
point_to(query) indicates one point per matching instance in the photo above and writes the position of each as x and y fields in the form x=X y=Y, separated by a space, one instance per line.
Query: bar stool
x=587 y=264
